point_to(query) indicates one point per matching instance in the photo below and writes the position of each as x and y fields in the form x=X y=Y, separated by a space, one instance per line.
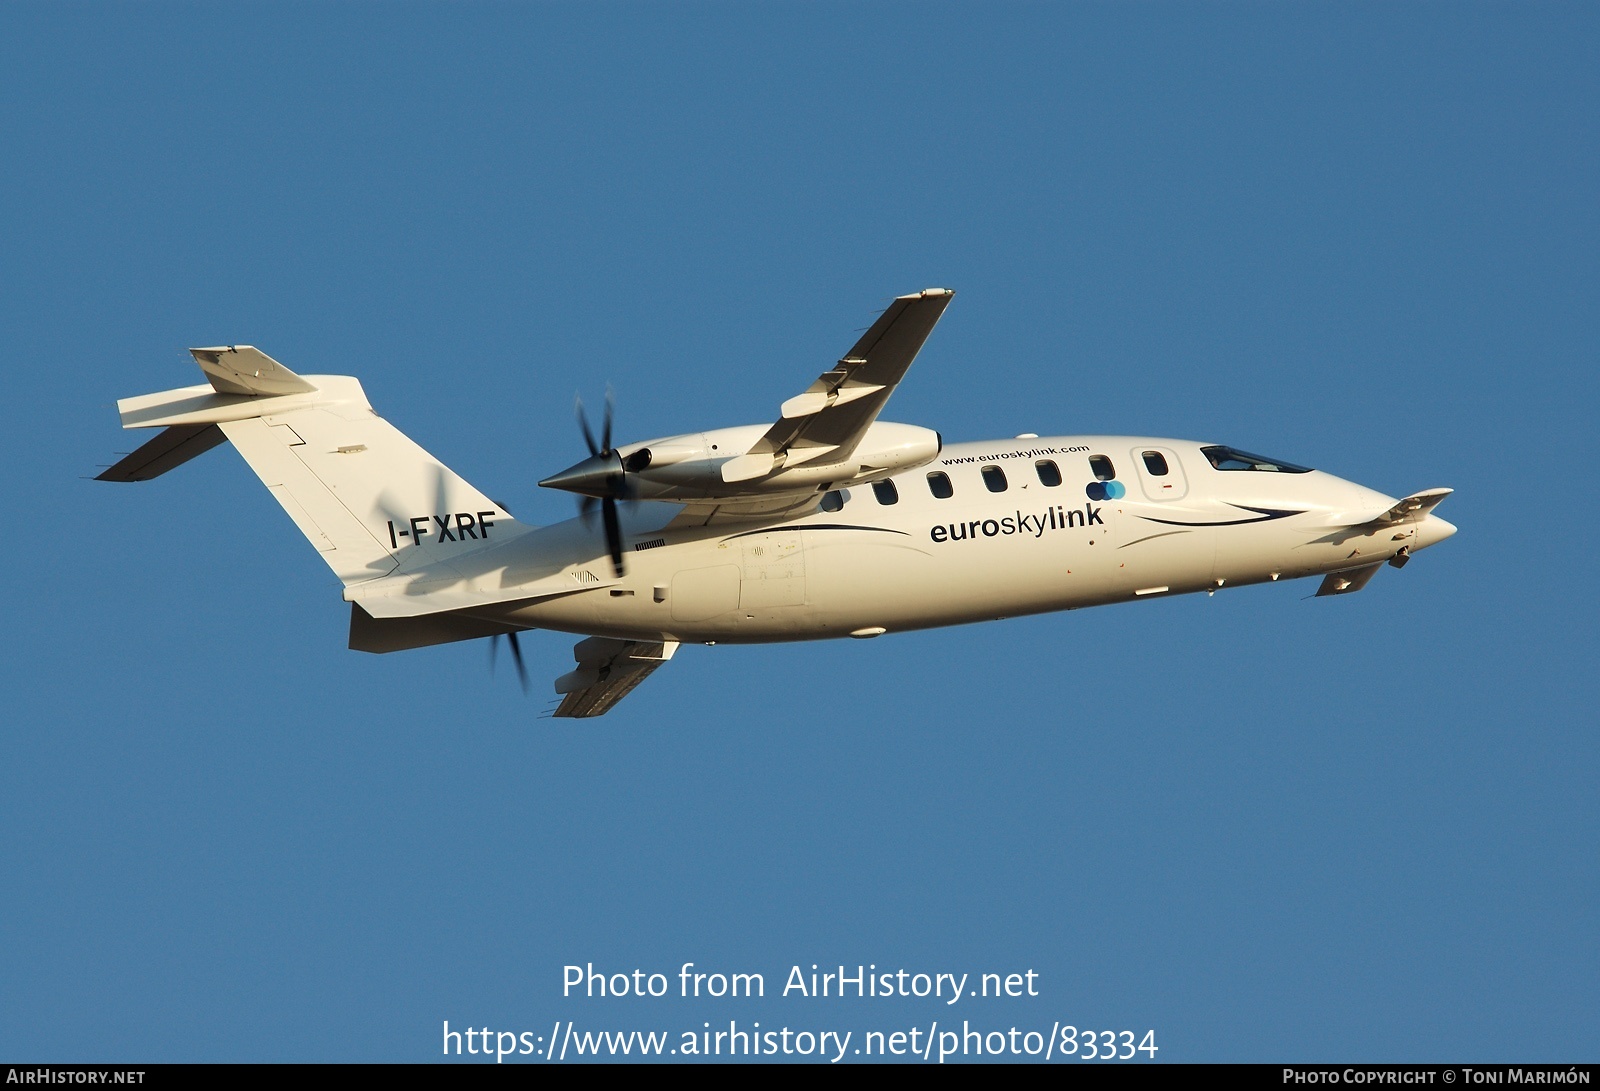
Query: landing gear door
x=1160 y=473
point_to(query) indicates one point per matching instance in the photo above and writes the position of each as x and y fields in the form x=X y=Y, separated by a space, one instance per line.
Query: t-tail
x=368 y=498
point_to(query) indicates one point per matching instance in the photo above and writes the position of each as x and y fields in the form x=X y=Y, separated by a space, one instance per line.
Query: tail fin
x=360 y=491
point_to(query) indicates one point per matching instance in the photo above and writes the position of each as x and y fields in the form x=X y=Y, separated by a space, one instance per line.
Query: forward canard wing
x=827 y=421
x=1412 y=510
x=1416 y=506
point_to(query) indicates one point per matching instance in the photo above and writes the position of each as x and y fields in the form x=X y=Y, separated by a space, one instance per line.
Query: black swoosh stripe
x=1264 y=515
x=815 y=526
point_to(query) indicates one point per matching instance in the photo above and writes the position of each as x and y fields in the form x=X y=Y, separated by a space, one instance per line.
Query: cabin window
x=886 y=492
x=1049 y=472
x=939 y=485
x=1103 y=470
x=1231 y=458
x=1155 y=462
x=832 y=501
x=994 y=479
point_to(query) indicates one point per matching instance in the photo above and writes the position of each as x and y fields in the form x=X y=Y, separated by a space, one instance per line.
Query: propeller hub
x=601 y=476
x=598 y=475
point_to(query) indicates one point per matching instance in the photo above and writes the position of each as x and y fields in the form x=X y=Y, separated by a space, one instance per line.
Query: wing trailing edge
x=828 y=419
x=608 y=670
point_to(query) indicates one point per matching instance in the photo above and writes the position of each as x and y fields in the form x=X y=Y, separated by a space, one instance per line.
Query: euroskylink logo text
x=1055 y=518
x=464 y=527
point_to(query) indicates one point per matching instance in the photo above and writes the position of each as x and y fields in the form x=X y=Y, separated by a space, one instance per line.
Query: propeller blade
x=613 y=480
x=608 y=507
x=583 y=424
x=516 y=657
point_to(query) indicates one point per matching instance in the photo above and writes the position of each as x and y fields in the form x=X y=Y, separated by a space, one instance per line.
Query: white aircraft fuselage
x=871 y=567
x=828 y=522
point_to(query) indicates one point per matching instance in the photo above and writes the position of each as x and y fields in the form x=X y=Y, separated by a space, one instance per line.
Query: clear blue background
x=1363 y=237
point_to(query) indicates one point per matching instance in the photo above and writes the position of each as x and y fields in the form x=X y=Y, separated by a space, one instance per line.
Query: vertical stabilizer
x=367 y=497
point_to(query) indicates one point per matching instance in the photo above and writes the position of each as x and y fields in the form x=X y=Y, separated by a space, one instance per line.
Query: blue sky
x=1359 y=237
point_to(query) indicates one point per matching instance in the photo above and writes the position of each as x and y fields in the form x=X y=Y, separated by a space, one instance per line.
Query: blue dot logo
x=1105 y=490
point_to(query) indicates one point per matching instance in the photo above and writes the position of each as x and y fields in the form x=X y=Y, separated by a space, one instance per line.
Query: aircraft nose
x=1433 y=530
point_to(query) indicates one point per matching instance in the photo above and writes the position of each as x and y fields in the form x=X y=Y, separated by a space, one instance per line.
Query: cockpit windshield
x=1231 y=458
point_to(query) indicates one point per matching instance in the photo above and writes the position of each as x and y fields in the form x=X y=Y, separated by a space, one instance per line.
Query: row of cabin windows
x=994 y=478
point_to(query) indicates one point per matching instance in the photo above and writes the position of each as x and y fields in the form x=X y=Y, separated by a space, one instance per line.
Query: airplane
x=825 y=523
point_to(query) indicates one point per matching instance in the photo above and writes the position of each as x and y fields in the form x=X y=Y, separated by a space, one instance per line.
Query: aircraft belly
x=1166 y=559
x=866 y=581
x=699 y=590
x=1252 y=553
x=858 y=582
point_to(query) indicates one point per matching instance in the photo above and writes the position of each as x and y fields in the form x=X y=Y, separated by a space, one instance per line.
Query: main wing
x=608 y=670
x=827 y=421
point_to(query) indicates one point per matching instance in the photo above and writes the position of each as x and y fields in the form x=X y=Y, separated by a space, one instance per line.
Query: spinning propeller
x=516 y=656
x=601 y=478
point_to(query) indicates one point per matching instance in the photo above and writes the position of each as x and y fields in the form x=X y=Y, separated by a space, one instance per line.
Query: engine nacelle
x=695 y=466
x=886 y=449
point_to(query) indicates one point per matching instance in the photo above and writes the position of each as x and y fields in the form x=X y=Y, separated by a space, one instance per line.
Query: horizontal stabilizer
x=1349 y=581
x=201 y=404
x=245 y=369
x=168 y=450
x=608 y=670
